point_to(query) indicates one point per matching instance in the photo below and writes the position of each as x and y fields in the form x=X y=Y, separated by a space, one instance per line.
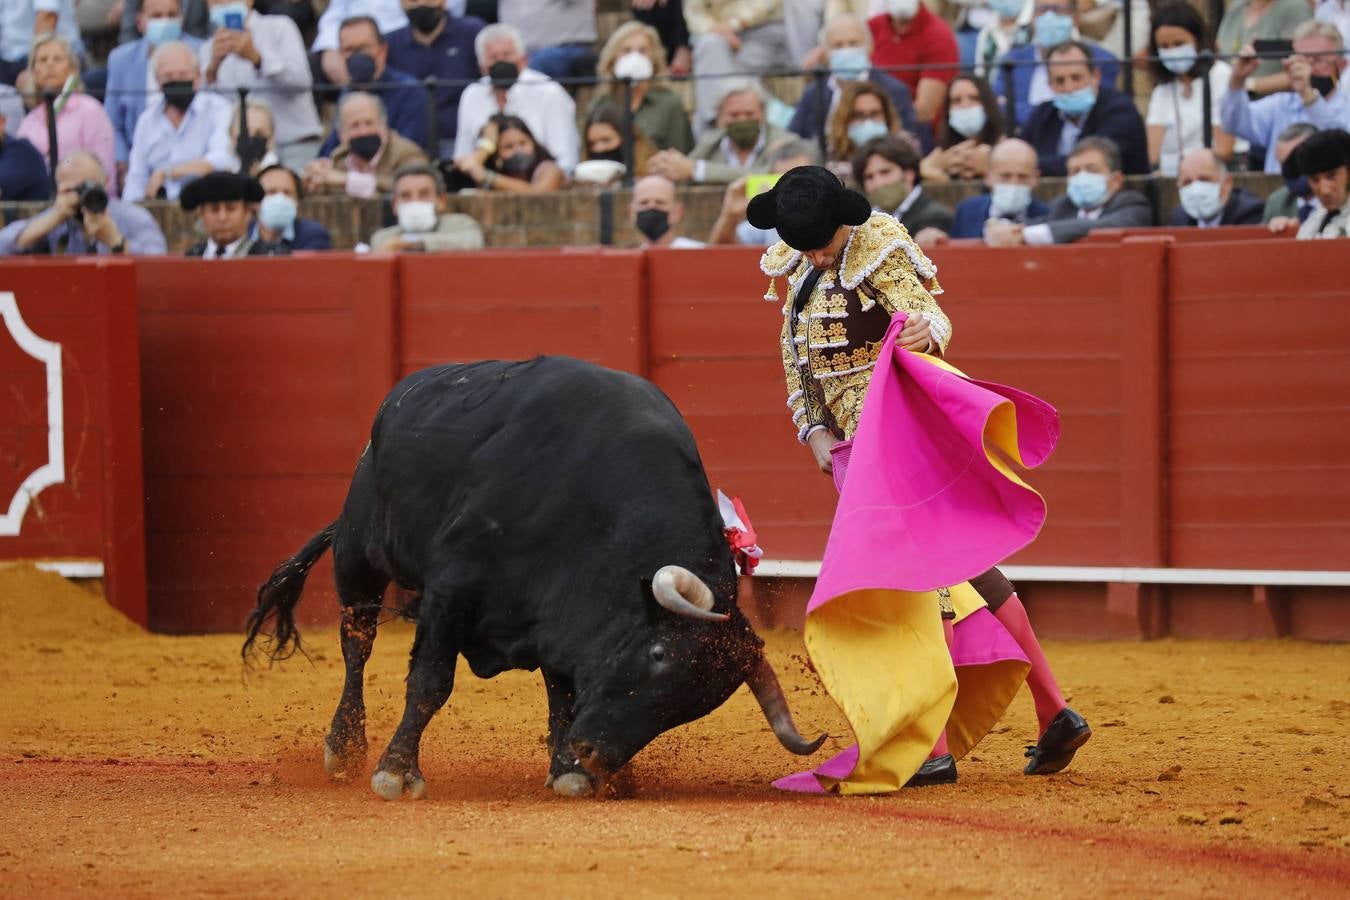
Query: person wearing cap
x=227 y=201
x=1324 y=159
x=850 y=270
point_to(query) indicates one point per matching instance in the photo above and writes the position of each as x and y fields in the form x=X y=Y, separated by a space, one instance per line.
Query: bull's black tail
x=278 y=597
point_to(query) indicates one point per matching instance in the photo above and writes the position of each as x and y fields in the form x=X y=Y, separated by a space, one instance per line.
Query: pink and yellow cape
x=929 y=502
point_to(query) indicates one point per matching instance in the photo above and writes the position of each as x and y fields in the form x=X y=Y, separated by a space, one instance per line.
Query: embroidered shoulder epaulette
x=872 y=244
x=777 y=261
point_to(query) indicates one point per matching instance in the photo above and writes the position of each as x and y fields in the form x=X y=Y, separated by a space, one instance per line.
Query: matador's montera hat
x=807 y=206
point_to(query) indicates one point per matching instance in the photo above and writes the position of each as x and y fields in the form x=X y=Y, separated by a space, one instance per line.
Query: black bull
x=550 y=515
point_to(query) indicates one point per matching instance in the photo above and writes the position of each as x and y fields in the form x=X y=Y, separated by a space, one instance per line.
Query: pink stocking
x=940 y=748
x=1044 y=689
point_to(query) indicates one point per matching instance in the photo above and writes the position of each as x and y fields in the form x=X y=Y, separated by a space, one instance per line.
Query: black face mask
x=518 y=165
x=365 y=146
x=179 y=94
x=653 y=223
x=361 y=68
x=425 y=19
x=252 y=148
x=1323 y=84
x=615 y=155
x=503 y=74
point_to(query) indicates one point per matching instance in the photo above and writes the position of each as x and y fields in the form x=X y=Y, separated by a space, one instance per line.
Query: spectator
x=327 y=62
x=909 y=34
x=887 y=169
x=368 y=152
x=1247 y=21
x=183 y=134
x=656 y=213
x=11 y=107
x=260 y=144
x=277 y=221
x=1009 y=26
x=366 y=55
x=81 y=123
x=731 y=37
x=848 y=46
x=1011 y=179
x=1314 y=96
x=667 y=17
x=559 y=34
x=634 y=52
x=1208 y=197
x=1175 y=121
x=435 y=44
x=805 y=21
x=1095 y=200
x=419 y=202
x=23 y=171
x=301 y=12
x=75 y=224
x=228 y=202
x=1052 y=25
x=862 y=113
x=741 y=142
x=1293 y=202
x=508 y=158
x=24 y=21
x=969 y=125
x=1335 y=12
x=196 y=23
x=510 y=87
x=131 y=80
x=731 y=226
x=1084 y=107
x=604 y=138
x=1324 y=159
x=266 y=56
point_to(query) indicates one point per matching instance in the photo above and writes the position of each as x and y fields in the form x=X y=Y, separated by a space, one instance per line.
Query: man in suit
x=278 y=221
x=1095 y=200
x=1084 y=107
x=1011 y=179
x=130 y=79
x=741 y=143
x=1208 y=198
x=887 y=167
x=228 y=201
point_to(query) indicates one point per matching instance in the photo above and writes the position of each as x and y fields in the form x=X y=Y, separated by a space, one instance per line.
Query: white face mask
x=902 y=9
x=417 y=216
x=634 y=65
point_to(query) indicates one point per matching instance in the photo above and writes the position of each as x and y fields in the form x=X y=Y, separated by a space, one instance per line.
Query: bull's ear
x=654 y=610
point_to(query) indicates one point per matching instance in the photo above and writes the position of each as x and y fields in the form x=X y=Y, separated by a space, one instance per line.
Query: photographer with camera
x=83 y=219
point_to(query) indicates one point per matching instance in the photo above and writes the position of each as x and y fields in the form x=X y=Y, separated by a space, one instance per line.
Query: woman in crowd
x=1247 y=21
x=508 y=158
x=634 y=52
x=1175 y=118
x=864 y=112
x=81 y=123
x=968 y=127
x=603 y=138
x=260 y=145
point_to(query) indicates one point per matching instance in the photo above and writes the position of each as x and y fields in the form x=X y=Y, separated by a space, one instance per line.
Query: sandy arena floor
x=139 y=765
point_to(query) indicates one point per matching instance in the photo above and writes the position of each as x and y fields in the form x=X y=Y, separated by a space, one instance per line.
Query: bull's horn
x=684 y=593
x=764 y=684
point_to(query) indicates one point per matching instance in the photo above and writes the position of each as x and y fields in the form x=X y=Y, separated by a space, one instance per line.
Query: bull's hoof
x=572 y=784
x=391 y=786
x=342 y=765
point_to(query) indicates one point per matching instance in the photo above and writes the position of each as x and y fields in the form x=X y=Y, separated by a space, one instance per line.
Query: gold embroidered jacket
x=831 y=346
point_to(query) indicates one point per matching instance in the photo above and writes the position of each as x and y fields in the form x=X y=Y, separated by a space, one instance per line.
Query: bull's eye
x=658 y=652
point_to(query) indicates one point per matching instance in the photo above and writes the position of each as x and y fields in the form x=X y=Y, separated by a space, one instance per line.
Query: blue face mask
x=862 y=132
x=230 y=15
x=1007 y=9
x=161 y=31
x=1177 y=60
x=1010 y=199
x=967 y=121
x=1087 y=190
x=277 y=212
x=850 y=63
x=1077 y=103
x=1201 y=200
x=1052 y=29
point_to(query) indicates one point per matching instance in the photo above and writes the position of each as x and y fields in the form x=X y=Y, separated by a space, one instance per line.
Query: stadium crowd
x=239 y=109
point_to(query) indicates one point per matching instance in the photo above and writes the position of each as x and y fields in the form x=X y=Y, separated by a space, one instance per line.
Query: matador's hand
x=820 y=442
x=917 y=335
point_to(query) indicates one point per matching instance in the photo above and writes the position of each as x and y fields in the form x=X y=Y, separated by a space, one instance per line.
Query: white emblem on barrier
x=54 y=470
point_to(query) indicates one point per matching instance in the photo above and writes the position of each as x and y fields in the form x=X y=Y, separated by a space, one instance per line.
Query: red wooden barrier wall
x=95 y=511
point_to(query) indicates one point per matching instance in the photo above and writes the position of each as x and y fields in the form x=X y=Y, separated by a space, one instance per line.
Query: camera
x=93 y=197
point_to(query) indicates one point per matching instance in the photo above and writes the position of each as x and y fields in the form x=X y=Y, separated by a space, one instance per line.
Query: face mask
x=417 y=216
x=1010 y=199
x=1075 y=103
x=253 y=148
x=902 y=9
x=161 y=31
x=634 y=65
x=178 y=94
x=743 y=133
x=361 y=68
x=888 y=198
x=967 y=121
x=503 y=74
x=1052 y=29
x=230 y=16
x=365 y=146
x=518 y=165
x=1323 y=84
x=1007 y=9
x=862 y=132
x=1201 y=200
x=615 y=155
x=425 y=19
x=277 y=212
x=850 y=63
x=1299 y=187
x=652 y=223
x=1177 y=60
x=1087 y=190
